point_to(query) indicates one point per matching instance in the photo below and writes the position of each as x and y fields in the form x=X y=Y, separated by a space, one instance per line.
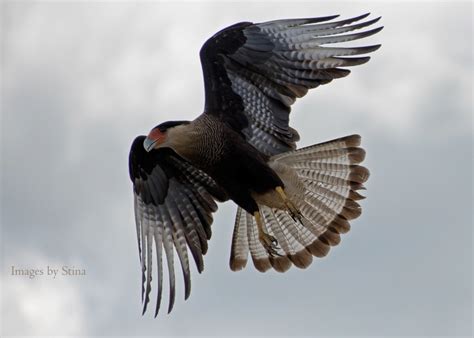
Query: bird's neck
x=181 y=139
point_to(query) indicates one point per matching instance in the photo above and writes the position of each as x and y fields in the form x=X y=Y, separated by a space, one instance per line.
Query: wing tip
x=322 y=18
x=170 y=307
x=187 y=291
x=362 y=16
x=145 y=305
x=375 y=30
x=158 y=300
x=376 y=19
x=369 y=49
x=362 y=61
x=171 y=303
x=297 y=21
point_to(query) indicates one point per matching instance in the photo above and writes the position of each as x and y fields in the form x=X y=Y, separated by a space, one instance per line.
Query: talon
x=294 y=212
x=269 y=242
x=296 y=216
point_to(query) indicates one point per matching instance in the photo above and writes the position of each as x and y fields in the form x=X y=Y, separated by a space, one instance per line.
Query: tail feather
x=240 y=244
x=299 y=256
x=273 y=222
x=331 y=175
x=319 y=227
x=280 y=263
x=260 y=256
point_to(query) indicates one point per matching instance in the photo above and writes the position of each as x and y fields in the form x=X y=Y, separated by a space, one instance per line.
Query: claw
x=295 y=215
x=294 y=212
x=269 y=242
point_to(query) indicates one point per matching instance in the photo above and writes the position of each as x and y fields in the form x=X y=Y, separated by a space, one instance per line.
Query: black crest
x=169 y=124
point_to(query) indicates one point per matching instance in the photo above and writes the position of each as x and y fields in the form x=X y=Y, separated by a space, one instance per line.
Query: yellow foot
x=268 y=241
x=291 y=208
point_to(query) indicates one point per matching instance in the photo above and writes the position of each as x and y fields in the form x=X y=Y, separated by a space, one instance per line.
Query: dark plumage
x=293 y=204
x=163 y=127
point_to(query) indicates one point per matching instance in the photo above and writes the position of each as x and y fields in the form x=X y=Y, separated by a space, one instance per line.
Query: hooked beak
x=149 y=144
x=154 y=139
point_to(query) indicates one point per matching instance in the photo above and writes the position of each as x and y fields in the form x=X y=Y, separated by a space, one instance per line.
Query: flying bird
x=293 y=204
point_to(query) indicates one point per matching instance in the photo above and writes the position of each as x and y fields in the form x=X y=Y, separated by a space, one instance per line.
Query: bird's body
x=293 y=203
x=213 y=147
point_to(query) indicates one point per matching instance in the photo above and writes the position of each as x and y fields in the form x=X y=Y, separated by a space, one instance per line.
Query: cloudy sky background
x=80 y=81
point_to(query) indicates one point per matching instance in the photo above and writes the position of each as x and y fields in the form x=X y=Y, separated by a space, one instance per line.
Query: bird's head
x=160 y=135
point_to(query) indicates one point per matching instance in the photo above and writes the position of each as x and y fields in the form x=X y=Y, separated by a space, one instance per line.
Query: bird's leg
x=292 y=209
x=268 y=241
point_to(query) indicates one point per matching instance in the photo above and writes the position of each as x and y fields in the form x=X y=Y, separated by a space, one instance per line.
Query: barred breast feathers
x=199 y=142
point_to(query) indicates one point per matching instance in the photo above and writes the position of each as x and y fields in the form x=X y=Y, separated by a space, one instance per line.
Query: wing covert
x=174 y=202
x=253 y=73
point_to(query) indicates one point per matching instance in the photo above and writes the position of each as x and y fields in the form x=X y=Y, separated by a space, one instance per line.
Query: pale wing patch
x=255 y=72
x=174 y=203
x=330 y=175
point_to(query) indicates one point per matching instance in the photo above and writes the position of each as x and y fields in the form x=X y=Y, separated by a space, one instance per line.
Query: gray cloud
x=82 y=80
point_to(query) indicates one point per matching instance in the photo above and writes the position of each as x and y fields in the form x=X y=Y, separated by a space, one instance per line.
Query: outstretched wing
x=174 y=203
x=253 y=73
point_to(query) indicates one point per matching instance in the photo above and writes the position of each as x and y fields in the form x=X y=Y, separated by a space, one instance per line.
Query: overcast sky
x=80 y=81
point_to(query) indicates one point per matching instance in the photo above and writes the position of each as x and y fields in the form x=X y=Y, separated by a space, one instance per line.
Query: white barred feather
x=240 y=247
x=260 y=256
x=253 y=74
x=330 y=175
x=280 y=61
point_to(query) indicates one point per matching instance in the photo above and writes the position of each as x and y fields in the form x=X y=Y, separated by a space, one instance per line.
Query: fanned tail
x=324 y=180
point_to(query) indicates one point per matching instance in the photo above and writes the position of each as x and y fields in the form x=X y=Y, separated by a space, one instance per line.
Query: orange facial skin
x=154 y=139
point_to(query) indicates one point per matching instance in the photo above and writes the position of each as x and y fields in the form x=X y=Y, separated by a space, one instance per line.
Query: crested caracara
x=293 y=204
